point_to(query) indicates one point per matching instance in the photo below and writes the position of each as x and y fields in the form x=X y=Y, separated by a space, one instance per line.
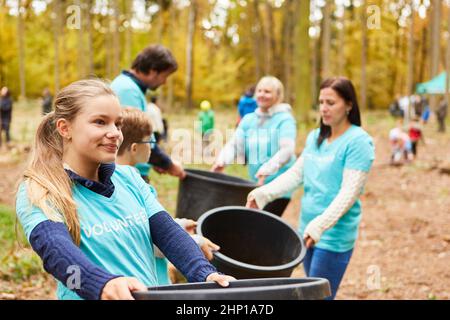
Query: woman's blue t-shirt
x=322 y=179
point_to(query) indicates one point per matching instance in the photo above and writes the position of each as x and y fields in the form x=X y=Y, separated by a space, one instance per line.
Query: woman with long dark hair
x=333 y=169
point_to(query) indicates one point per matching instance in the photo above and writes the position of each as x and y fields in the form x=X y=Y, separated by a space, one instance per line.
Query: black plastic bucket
x=202 y=190
x=253 y=243
x=252 y=289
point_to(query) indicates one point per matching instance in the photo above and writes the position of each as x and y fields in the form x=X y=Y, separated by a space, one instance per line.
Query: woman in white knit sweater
x=333 y=169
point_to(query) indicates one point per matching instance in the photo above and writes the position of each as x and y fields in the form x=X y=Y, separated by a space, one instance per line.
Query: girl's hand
x=309 y=242
x=221 y=279
x=121 y=288
x=251 y=203
x=189 y=225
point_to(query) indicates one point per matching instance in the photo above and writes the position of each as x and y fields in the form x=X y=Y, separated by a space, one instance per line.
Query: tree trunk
x=257 y=39
x=287 y=36
x=410 y=82
x=81 y=53
x=435 y=44
x=90 y=37
x=447 y=83
x=170 y=86
x=116 y=39
x=269 y=40
x=190 y=52
x=303 y=70
x=423 y=55
x=160 y=21
x=56 y=32
x=435 y=39
x=364 y=57
x=21 y=38
x=341 y=46
x=326 y=40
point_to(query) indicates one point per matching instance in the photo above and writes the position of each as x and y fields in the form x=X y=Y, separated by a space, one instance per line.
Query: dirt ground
x=403 y=250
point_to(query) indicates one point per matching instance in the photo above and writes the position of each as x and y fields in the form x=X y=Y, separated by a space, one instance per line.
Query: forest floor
x=403 y=249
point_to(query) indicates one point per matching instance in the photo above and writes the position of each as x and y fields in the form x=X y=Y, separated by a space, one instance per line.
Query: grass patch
x=17 y=261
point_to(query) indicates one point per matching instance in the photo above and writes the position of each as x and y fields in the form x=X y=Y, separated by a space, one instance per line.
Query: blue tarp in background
x=434 y=86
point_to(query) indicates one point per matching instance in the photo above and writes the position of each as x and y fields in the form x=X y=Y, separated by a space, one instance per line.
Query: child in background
x=206 y=118
x=415 y=134
x=401 y=146
x=426 y=112
x=247 y=103
x=135 y=148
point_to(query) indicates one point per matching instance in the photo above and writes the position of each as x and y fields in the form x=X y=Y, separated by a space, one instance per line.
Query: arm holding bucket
x=181 y=250
x=283 y=155
x=233 y=150
x=286 y=182
x=352 y=184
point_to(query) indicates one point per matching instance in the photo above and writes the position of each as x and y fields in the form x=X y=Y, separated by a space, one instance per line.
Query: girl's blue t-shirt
x=322 y=179
x=115 y=231
x=262 y=141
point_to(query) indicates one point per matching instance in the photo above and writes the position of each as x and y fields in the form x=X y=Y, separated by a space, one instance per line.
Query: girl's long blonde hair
x=48 y=185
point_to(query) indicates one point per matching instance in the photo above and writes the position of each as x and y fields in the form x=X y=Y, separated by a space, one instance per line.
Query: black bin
x=203 y=190
x=253 y=243
x=251 y=289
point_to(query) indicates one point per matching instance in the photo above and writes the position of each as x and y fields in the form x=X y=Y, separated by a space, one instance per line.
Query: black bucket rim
x=195 y=174
x=306 y=282
x=221 y=256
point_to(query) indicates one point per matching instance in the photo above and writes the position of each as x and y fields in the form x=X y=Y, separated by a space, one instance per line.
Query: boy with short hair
x=136 y=146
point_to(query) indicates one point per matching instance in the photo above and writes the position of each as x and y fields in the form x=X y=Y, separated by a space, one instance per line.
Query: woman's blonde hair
x=273 y=83
x=48 y=185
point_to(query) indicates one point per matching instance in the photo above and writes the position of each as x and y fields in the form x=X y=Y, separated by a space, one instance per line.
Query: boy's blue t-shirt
x=322 y=179
x=115 y=231
x=130 y=95
x=262 y=142
x=162 y=264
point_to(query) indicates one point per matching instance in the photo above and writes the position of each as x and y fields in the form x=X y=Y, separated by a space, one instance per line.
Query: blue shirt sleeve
x=159 y=158
x=360 y=154
x=29 y=216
